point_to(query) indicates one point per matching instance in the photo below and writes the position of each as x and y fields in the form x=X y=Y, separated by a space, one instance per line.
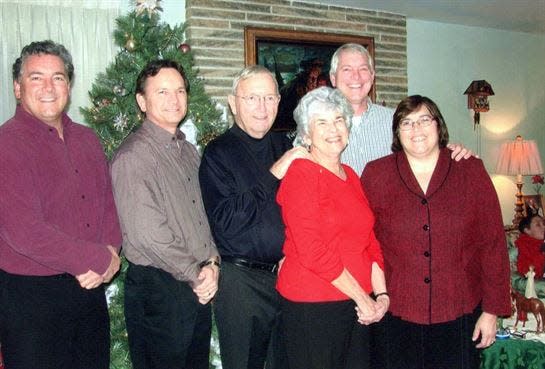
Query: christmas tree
x=114 y=114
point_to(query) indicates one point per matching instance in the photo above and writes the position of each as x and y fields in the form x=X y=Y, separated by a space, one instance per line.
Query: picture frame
x=299 y=60
x=533 y=203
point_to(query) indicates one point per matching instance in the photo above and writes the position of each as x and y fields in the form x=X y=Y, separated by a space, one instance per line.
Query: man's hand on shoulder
x=280 y=167
x=460 y=152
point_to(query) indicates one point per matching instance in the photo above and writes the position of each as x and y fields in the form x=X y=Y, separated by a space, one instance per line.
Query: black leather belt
x=269 y=267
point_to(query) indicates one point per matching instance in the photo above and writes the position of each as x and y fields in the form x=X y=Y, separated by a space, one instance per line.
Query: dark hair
x=411 y=104
x=46 y=47
x=152 y=69
x=527 y=221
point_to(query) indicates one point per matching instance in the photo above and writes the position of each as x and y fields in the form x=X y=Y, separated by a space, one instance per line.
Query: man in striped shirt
x=353 y=73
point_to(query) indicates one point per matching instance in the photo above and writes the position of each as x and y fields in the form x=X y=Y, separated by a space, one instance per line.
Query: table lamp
x=519 y=158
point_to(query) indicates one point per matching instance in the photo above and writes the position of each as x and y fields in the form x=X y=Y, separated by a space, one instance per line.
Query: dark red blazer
x=444 y=251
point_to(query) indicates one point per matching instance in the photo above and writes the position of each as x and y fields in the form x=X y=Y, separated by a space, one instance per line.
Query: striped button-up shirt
x=370 y=137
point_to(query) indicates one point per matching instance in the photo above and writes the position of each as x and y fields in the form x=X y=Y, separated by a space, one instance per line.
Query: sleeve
x=231 y=209
x=299 y=197
x=24 y=228
x=524 y=259
x=141 y=206
x=111 y=230
x=375 y=252
x=494 y=259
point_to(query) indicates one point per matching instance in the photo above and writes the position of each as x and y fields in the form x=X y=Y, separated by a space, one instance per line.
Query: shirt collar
x=357 y=120
x=39 y=126
x=440 y=173
x=163 y=136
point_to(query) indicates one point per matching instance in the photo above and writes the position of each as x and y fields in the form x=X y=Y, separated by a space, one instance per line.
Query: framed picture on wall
x=533 y=204
x=299 y=60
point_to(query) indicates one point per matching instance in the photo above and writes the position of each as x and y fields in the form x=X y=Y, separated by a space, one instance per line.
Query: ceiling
x=510 y=15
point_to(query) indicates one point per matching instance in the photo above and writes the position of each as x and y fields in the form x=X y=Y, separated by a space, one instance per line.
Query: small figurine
x=530 y=291
x=525 y=306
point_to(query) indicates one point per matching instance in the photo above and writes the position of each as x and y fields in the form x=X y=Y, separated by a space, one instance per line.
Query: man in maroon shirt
x=59 y=232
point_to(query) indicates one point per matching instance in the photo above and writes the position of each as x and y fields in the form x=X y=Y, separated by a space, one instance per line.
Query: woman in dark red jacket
x=440 y=228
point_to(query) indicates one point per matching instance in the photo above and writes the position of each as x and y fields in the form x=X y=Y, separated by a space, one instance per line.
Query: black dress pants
x=317 y=335
x=247 y=314
x=52 y=323
x=399 y=344
x=167 y=326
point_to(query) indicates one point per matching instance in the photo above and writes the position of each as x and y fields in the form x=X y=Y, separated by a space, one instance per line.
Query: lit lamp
x=519 y=158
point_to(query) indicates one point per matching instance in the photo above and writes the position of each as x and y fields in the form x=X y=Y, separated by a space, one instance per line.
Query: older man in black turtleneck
x=239 y=176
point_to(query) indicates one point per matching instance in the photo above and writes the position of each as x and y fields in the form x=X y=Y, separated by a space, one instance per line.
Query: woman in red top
x=530 y=245
x=440 y=228
x=332 y=258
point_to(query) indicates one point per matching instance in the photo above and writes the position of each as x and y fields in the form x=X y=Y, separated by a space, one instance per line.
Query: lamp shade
x=519 y=157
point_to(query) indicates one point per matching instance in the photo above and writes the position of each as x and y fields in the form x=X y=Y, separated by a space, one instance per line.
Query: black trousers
x=317 y=335
x=247 y=315
x=167 y=326
x=399 y=344
x=52 y=323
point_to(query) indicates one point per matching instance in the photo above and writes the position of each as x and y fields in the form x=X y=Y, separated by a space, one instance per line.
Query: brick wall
x=215 y=31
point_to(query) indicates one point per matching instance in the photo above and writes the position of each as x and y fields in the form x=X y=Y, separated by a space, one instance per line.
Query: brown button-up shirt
x=157 y=193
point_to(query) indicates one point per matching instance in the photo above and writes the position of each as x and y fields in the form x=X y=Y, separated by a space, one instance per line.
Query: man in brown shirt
x=173 y=261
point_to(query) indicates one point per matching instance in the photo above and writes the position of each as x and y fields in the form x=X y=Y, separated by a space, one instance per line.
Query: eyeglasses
x=423 y=121
x=254 y=100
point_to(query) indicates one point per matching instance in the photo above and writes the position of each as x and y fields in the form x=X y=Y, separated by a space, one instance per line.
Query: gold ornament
x=130 y=45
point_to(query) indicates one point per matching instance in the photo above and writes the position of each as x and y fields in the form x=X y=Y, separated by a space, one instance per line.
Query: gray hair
x=249 y=72
x=46 y=47
x=355 y=48
x=319 y=100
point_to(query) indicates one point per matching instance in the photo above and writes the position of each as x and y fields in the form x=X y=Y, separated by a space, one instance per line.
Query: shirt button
x=427 y=280
x=188 y=179
x=426 y=227
x=77 y=171
x=88 y=225
x=424 y=201
x=427 y=254
x=193 y=201
x=82 y=196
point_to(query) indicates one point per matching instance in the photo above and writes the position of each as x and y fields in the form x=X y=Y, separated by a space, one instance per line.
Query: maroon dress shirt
x=57 y=212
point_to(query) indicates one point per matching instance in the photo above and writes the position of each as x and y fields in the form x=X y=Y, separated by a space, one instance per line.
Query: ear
x=17 y=90
x=141 y=101
x=332 y=79
x=232 y=105
x=307 y=141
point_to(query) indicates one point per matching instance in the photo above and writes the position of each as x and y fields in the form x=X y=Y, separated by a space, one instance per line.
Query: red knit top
x=329 y=226
x=530 y=254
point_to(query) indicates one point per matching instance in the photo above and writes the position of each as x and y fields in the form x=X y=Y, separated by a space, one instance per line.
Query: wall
x=215 y=30
x=443 y=59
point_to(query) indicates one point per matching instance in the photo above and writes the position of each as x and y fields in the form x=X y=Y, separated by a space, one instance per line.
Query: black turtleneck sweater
x=239 y=194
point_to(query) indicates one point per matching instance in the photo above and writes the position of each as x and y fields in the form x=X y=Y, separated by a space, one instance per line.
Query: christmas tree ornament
x=121 y=122
x=150 y=6
x=130 y=45
x=119 y=90
x=185 y=48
